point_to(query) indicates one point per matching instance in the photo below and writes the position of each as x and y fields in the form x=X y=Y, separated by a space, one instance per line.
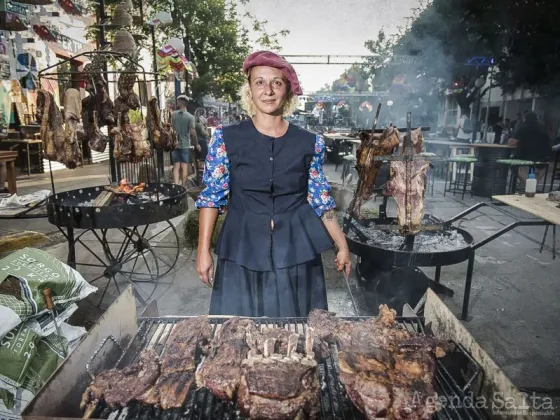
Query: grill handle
x=96 y=352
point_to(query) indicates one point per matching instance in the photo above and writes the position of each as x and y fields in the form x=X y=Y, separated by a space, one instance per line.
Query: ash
x=424 y=241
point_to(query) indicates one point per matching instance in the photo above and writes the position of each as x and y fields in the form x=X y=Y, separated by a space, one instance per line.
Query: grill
x=457 y=374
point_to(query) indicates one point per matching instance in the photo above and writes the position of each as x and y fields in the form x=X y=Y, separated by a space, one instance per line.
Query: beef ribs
x=221 y=370
x=409 y=202
x=386 y=371
x=189 y=340
x=117 y=387
x=372 y=145
x=280 y=386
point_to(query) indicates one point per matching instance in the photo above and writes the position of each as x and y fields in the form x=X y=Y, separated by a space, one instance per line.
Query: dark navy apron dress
x=261 y=271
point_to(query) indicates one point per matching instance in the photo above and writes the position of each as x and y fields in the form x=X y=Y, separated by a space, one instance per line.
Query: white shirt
x=461 y=134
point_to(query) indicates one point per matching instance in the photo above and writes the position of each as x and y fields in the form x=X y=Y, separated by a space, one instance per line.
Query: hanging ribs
x=386 y=371
x=188 y=341
x=221 y=370
x=413 y=205
x=372 y=145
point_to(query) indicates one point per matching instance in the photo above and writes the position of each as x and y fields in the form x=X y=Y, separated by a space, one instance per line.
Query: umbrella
x=26 y=70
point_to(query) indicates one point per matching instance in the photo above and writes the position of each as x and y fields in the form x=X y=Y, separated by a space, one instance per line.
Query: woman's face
x=269 y=90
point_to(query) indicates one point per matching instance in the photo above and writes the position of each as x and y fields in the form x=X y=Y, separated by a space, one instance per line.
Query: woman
x=269 y=174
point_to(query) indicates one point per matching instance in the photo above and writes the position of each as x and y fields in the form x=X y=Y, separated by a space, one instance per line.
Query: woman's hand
x=205 y=267
x=343 y=261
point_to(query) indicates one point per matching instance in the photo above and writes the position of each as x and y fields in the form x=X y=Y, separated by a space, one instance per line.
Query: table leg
x=28 y=160
x=438 y=274
x=471 y=151
x=11 y=172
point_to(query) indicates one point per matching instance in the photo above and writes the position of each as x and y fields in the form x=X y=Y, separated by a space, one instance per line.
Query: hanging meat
x=372 y=145
x=408 y=184
x=164 y=138
x=97 y=87
x=72 y=113
x=127 y=100
x=123 y=143
x=97 y=140
x=52 y=131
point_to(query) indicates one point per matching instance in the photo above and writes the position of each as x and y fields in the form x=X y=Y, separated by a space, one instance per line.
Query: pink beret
x=270 y=59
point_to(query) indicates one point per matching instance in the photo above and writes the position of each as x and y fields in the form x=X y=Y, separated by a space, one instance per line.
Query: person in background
x=213 y=120
x=533 y=143
x=507 y=130
x=3 y=176
x=202 y=138
x=184 y=125
x=465 y=129
x=498 y=130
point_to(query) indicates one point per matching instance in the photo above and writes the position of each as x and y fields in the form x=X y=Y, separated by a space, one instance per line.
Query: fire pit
x=138 y=241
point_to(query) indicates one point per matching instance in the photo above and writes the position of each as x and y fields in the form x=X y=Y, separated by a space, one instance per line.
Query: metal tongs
x=47 y=296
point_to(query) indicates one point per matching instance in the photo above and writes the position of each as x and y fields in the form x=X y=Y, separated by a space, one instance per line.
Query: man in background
x=184 y=125
x=533 y=144
x=465 y=129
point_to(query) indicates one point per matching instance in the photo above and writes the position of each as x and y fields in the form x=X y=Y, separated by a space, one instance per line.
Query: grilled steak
x=119 y=386
x=188 y=341
x=386 y=371
x=221 y=370
x=280 y=386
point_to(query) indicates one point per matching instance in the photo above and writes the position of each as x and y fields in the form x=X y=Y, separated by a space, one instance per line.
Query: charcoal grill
x=458 y=374
x=139 y=242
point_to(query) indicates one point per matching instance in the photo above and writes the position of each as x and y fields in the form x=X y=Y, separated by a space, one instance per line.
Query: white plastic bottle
x=531 y=185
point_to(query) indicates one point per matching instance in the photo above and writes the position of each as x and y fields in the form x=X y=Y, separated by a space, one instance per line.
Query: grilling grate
x=456 y=376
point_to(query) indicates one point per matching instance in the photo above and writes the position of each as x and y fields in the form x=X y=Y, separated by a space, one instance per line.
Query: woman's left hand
x=343 y=261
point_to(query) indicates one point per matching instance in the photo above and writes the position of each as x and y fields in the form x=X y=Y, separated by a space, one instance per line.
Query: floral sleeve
x=318 y=188
x=216 y=174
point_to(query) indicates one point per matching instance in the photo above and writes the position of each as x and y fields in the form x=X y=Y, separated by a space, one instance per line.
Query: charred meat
x=386 y=371
x=280 y=386
x=188 y=341
x=407 y=188
x=117 y=387
x=372 y=145
x=221 y=370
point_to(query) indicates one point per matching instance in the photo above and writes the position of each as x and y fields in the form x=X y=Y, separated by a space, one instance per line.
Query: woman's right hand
x=205 y=267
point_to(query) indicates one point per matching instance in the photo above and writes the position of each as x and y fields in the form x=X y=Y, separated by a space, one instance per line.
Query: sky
x=329 y=27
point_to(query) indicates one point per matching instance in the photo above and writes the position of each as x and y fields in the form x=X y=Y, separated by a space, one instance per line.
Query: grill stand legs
x=71 y=248
x=468 y=284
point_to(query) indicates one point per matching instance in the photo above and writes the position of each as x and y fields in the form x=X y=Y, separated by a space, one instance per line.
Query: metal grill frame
x=154 y=332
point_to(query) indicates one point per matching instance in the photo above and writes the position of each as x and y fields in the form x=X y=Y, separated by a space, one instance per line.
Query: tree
x=436 y=45
x=218 y=40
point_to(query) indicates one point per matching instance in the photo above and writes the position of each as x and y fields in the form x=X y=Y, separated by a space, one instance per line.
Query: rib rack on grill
x=117 y=387
x=221 y=370
x=387 y=372
x=280 y=386
x=188 y=342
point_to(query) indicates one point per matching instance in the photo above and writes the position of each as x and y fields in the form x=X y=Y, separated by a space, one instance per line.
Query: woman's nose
x=268 y=89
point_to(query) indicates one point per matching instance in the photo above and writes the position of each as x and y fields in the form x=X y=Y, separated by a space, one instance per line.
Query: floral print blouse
x=216 y=177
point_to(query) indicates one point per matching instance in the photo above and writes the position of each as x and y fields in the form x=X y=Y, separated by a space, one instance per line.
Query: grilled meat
x=163 y=137
x=189 y=340
x=221 y=370
x=282 y=336
x=372 y=145
x=280 y=386
x=386 y=371
x=410 y=210
x=117 y=387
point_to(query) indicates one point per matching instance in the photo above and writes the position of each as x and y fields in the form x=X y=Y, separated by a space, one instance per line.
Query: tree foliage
x=353 y=79
x=521 y=35
x=219 y=37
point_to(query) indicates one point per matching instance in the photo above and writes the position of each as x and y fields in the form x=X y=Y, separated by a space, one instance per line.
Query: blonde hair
x=248 y=105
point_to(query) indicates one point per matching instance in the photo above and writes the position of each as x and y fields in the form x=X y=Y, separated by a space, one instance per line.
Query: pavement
x=514 y=300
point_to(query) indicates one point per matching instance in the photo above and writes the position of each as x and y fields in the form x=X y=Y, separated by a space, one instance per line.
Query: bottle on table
x=531 y=185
